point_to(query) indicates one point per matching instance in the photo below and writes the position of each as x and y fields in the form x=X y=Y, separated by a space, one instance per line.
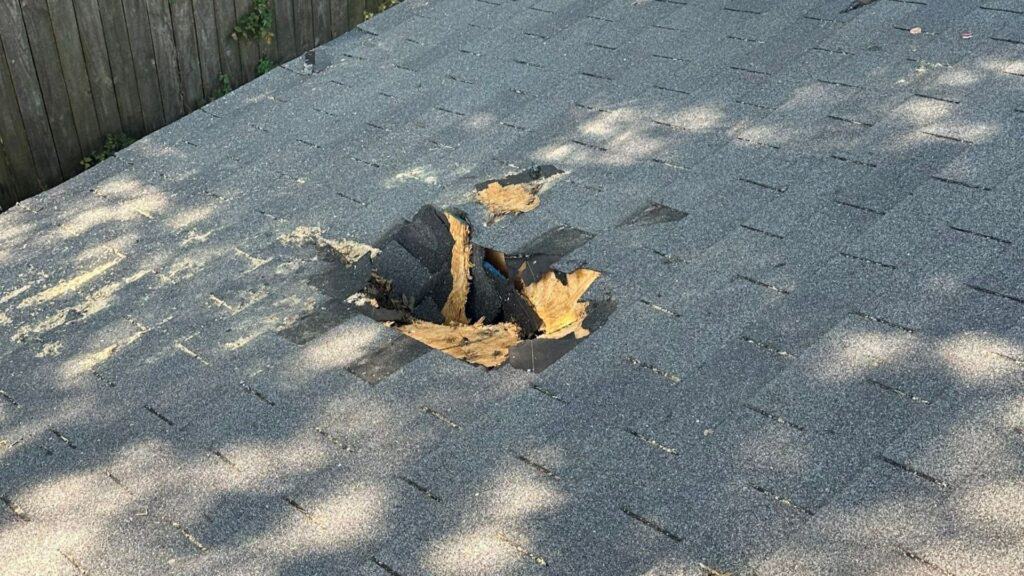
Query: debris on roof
x=556 y=300
x=512 y=199
x=492 y=301
x=314 y=62
x=517 y=193
x=348 y=251
x=478 y=343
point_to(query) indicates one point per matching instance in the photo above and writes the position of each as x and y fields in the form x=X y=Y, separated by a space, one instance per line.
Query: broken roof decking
x=815 y=365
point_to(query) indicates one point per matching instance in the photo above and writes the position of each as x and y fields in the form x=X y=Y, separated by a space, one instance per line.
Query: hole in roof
x=480 y=305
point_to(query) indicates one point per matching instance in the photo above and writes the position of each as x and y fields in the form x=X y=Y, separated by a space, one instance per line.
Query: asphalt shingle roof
x=817 y=369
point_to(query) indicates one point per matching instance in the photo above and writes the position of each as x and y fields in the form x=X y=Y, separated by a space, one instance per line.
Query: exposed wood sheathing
x=574 y=328
x=511 y=199
x=454 y=310
x=483 y=344
x=492 y=301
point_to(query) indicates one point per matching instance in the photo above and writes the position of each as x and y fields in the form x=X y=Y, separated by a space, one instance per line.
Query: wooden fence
x=74 y=71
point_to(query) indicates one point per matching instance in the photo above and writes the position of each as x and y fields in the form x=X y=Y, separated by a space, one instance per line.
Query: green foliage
x=111 y=145
x=256 y=23
x=264 y=65
x=224 y=88
x=381 y=5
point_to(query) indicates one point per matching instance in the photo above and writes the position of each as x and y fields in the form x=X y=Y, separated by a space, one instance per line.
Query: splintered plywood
x=484 y=344
x=512 y=297
x=574 y=328
x=558 y=304
x=454 y=310
x=511 y=199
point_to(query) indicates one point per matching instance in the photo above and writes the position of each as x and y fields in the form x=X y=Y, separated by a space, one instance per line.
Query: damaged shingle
x=475 y=303
x=654 y=213
x=560 y=241
x=384 y=361
x=527 y=176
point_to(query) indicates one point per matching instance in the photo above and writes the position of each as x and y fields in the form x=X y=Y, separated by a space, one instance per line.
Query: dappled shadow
x=815 y=365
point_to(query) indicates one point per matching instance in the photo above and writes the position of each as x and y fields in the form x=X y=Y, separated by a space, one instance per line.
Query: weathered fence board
x=248 y=50
x=304 y=23
x=339 y=17
x=73 y=72
x=72 y=63
x=8 y=196
x=51 y=81
x=268 y=50
x=143 y=55
x=97 y=65
x=14 y=141
x=209 y=47
x=230 y=63
x=166 y=59
x=121 y=67
x=356 y=8
x=321 y=21
x=29 y=97
x=284 y=37
x=185 y=42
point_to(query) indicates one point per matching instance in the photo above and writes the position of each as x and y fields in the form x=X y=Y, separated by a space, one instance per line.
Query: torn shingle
x=475 y=303
x=654 y=213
